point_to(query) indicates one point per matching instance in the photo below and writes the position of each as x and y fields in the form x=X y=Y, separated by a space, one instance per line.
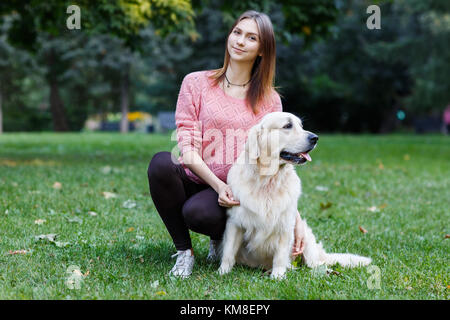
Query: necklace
x=239 y=85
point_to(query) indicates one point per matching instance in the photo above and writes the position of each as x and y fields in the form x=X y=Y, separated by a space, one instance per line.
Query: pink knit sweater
x=214 y=124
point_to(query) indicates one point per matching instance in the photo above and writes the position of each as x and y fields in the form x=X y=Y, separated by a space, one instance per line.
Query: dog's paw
x=224 y=269
x=278 y=274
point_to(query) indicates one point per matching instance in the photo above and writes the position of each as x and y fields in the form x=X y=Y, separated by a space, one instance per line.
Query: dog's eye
x=288 y=126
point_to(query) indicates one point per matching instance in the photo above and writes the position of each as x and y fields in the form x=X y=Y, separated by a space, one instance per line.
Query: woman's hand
x=299 y=234
x=226 y=196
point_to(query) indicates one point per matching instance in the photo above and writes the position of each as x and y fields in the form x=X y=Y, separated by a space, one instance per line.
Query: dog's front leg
x=232 y=240
x=281 y=258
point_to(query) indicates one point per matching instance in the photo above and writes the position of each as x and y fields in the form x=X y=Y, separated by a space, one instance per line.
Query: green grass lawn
x=395 y=187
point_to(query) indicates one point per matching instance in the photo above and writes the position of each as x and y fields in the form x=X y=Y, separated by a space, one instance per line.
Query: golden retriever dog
x=260 y=231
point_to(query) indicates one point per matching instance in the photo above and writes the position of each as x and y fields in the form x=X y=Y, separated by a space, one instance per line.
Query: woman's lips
x=238 y=50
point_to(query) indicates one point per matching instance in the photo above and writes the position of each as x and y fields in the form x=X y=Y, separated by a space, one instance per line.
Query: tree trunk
x=57 y=109
x=1 y=112
x=56 y=104
x=124 y=100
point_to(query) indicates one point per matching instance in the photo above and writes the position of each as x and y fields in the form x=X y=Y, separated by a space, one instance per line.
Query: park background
x=131 y=56
x=74 y=202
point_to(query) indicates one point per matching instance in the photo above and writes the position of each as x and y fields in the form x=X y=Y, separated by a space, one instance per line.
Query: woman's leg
x=203 y=214
x=170 y=187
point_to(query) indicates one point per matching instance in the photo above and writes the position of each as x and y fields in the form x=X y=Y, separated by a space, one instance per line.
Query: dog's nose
x=313 y=138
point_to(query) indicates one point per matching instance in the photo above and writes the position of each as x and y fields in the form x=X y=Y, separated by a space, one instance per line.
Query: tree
x=144 y=27
x=120 y=18
x=14 y=65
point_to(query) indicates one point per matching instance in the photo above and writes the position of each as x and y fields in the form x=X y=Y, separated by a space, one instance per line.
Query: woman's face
x=243 y=42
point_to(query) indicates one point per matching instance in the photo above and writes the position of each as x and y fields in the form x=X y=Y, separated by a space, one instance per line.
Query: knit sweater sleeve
x=189 y=129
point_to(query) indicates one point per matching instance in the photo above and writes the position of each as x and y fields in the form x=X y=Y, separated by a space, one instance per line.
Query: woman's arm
x=195 y=163
x=299 y=234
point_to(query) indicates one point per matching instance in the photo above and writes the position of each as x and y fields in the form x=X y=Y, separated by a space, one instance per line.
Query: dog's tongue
x=306 y=156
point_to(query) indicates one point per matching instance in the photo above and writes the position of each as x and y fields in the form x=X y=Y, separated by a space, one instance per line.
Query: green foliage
x=331 y=70
x=121 y=18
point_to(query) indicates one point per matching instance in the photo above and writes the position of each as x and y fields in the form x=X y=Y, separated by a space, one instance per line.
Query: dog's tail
x=314 y=255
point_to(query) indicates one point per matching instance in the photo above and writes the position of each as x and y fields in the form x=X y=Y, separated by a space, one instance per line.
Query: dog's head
x=279 y=138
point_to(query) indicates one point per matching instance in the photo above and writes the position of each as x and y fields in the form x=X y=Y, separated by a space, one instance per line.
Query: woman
x=215 y=107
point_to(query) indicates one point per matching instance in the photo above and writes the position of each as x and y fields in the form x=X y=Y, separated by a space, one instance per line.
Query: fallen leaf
x=92 y=213
x=39 y=221
x=130 y=229
x=75 y=219
x=337 y=273
x=86 y=274
x=320 y=271
x=362 y=229
x=384 y=205
x=106 y=169
x=372 y=209
x=8 y=163
x=17 y=252
x=50 y=237
x=60 y=244
x=324 y=206
x=109 y=195
x=129 y=204
x=447 y=236
x=161 y=293
x=57 y=185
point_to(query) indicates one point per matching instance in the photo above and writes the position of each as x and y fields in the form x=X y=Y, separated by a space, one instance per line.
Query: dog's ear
x=252 y=147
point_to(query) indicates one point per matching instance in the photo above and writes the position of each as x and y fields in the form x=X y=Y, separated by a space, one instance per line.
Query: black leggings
x=182 y=203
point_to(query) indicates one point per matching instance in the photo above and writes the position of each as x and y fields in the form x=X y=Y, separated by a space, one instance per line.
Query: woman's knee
x=160 y=165
x=204 y=217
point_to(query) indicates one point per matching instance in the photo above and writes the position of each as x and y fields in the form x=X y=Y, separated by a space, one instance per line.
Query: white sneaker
x=185 y=263
x=214 y=250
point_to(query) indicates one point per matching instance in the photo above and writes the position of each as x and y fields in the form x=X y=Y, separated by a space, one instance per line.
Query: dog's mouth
x=296 y=158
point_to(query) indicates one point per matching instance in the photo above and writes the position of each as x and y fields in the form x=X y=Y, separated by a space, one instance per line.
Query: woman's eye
x=288 y=126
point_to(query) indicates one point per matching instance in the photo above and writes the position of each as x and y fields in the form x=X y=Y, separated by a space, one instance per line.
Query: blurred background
x=122 y=70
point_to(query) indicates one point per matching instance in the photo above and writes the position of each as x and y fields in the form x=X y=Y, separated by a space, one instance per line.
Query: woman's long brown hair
x=263 y=71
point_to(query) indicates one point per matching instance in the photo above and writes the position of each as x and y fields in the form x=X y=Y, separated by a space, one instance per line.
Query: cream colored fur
x=260 y=231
